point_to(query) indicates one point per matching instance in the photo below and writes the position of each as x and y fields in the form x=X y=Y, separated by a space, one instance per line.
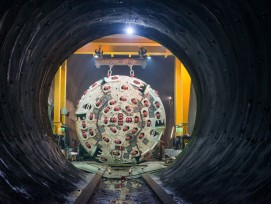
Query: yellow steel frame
x=124 y=46
x=182 y=94
x=60 y=81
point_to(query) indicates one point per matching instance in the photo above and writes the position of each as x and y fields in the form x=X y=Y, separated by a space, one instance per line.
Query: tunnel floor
x=125 y=183
x=130 y=191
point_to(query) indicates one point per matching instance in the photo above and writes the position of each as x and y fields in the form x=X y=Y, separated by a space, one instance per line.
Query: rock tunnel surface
x=224 y=44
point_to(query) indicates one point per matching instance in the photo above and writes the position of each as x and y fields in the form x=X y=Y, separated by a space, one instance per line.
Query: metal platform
x=116 y=171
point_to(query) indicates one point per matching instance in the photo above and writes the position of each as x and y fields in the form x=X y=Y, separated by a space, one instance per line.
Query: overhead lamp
x=129 y=30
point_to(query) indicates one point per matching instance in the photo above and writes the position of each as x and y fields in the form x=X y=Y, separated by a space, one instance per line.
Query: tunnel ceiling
x=225 y=46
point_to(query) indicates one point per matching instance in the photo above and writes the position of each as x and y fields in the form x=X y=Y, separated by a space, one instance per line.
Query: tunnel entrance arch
x=55 y=47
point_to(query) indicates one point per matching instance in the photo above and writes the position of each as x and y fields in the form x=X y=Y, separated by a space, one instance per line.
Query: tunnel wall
x=192 y=109
x=225 y=46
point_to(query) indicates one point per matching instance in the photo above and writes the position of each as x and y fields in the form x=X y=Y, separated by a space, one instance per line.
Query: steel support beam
x=59 y=97
x=121 y=45
x=182 y=94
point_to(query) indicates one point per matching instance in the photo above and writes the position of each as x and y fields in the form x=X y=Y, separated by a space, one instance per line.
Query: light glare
x=129 y=30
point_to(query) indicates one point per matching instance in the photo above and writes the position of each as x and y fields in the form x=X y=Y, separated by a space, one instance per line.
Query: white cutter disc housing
x=120 y=119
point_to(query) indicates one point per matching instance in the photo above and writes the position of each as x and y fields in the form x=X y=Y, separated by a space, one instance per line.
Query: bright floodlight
x=96 y=56
x=149 y=57
x=129 y=30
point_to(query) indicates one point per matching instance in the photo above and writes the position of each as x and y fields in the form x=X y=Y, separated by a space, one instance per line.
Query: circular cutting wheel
x=120 y=119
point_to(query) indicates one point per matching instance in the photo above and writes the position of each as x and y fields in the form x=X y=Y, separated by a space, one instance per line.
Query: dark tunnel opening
x=224 y=44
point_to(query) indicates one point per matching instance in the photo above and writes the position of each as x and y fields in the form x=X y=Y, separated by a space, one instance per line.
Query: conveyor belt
x=158 y=190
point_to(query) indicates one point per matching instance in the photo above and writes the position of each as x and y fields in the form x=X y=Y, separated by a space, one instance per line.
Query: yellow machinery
x=60 y=98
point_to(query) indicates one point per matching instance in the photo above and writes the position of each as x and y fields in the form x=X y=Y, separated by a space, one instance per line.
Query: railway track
x=140 y=190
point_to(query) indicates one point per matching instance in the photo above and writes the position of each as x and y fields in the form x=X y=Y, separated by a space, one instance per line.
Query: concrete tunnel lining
x=224 y=44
